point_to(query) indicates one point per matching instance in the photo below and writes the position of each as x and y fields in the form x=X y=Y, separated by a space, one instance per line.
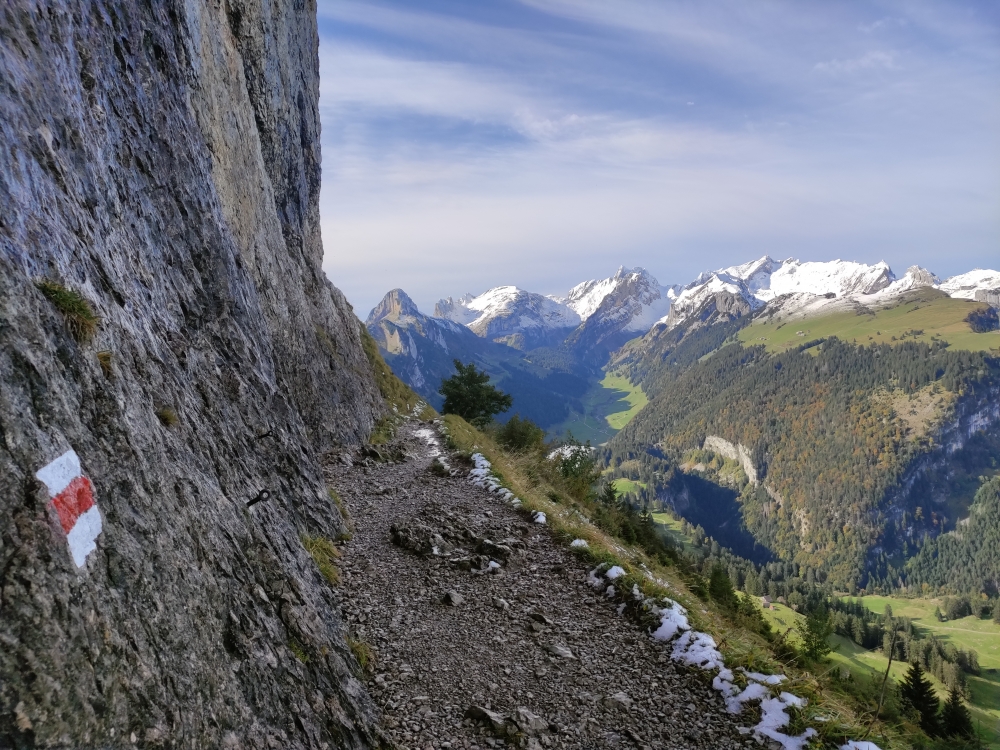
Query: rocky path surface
x=471 y=655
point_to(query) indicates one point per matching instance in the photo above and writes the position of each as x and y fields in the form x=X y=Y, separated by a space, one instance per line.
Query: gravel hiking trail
x=485 y=632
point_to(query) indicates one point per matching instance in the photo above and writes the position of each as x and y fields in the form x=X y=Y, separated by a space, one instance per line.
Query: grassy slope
x=608 y=406
x=982 y=636
x=925 y=310
x=739 y=646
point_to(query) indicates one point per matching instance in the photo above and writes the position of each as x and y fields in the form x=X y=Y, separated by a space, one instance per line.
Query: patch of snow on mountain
x=456 y=311
x=505 y=310
x=586 y=297
x=839 y=277
x=965 y=285
x=914 y=278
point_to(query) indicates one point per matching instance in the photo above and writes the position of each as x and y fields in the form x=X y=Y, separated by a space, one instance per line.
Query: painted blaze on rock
x=73 y=499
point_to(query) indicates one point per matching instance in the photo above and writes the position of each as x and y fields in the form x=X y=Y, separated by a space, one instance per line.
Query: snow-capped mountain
x=762 y=281
x=601 y=314
x=618 y=308
x=512 y=315
x=629 y=302
x=421 y=351
x=632 y=297
x=972 y=285
x=802 y=289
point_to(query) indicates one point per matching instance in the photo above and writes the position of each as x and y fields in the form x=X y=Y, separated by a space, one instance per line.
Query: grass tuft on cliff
x=325 y=554
x=74 y=307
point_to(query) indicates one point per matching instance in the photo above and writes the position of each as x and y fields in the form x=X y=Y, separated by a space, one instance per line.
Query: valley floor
x=530 y=635
x=608 y=405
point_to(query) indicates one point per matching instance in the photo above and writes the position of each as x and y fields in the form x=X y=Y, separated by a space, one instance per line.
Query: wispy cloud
x=870 y=60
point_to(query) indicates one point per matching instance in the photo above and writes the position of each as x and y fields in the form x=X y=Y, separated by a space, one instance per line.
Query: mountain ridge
x=634 y=300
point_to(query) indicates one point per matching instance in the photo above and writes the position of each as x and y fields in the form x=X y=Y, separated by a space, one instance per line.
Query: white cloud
x=876 y=59
x=460 y=154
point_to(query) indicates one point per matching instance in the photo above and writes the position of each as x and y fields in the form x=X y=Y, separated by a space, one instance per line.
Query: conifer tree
x=956 y=721
x=916 y=690
x=815 y=634
x=468 y=394
x=720 y=587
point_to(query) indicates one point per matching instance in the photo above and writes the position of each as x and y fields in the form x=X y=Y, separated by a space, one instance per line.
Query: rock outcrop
x=159 y=178
x=734 y=453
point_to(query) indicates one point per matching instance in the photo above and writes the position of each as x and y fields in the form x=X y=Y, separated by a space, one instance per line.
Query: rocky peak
x=394 y=305
x=456 y=310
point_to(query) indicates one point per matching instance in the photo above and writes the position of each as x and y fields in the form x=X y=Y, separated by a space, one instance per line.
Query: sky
x=539 y=143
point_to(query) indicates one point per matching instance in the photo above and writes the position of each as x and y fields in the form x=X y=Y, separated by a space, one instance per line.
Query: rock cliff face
x=161 y=160
x=733 y=452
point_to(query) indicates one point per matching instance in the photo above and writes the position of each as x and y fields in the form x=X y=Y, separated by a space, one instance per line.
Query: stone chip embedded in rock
x=528 y=722
x=560 y=650
x=453 y=598
x=495 y=721
x=539 y=617
x=620 y=700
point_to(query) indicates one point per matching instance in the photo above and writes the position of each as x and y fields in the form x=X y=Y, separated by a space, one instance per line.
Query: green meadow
x=924 y=315
x=607 y=407
x=628 y=485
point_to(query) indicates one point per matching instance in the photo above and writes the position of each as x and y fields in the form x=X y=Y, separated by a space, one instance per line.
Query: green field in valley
x=920 y=316
x=982 y=636
x=673 y=525
x=608 y=406
x=628 y=485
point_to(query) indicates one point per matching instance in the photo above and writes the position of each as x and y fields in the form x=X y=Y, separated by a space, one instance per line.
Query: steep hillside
x=968 y=557
x=846 y=451
x=170 y=351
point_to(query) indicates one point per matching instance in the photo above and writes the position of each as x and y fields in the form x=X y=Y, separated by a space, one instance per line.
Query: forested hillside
x=967 y=558
x=831 y=428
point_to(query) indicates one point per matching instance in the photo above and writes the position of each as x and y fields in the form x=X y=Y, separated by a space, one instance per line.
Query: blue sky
x=544 y=142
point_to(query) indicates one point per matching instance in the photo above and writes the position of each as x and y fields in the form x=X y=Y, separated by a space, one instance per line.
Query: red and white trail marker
x=73 y=498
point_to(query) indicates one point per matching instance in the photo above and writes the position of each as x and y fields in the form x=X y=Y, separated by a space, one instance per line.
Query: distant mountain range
x=847 y=437
x=597 y=317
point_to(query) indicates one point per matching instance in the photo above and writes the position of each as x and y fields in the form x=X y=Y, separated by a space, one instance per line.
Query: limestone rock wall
x=162 y=160
x=734 y=453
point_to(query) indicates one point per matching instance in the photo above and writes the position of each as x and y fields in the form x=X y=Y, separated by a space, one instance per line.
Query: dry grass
x=74 y=307
x=167 y=416
x=325 y=554
x=104 y=360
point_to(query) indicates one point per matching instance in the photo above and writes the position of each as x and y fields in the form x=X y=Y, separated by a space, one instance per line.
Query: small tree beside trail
x=468 y=394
